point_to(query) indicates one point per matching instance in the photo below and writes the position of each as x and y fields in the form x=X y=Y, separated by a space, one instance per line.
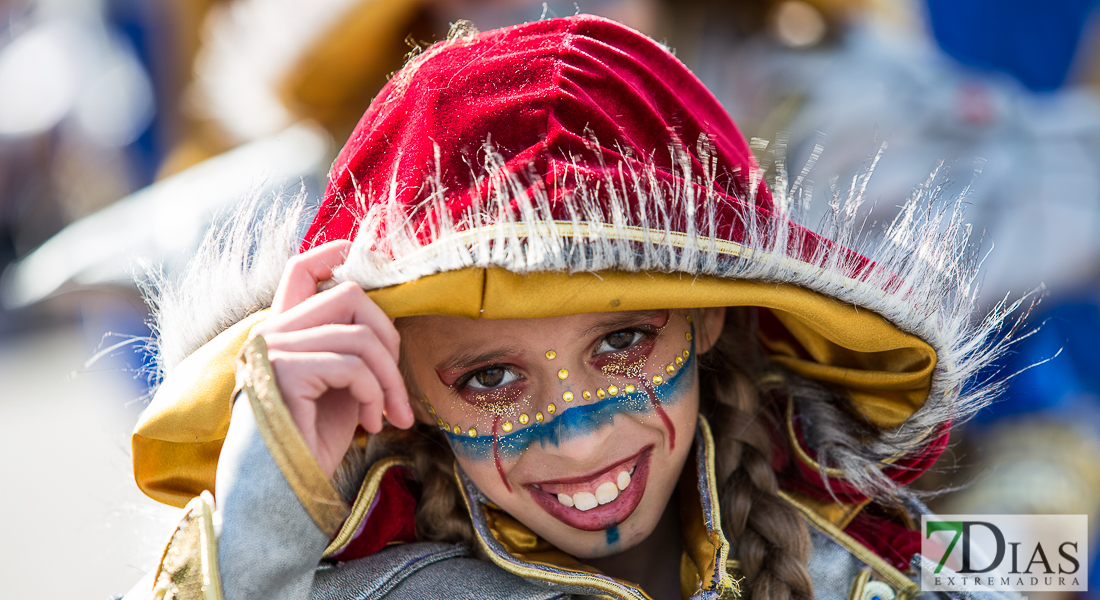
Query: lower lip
x=604 y=516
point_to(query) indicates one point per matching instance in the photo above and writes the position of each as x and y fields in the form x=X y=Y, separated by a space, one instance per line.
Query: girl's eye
x=491 y=377
x=619 y=340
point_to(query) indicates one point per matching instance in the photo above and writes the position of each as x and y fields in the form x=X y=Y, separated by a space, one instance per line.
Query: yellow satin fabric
x=886 y=372
x=179 y=436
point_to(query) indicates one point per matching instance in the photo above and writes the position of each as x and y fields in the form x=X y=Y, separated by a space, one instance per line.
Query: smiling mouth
x=597 y=501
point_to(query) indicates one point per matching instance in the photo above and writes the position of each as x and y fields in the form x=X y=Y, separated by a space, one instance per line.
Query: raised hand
x=335 y=356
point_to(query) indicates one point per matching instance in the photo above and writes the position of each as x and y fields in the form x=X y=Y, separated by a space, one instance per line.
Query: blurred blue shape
x=1058 y=369
x=1034 y=42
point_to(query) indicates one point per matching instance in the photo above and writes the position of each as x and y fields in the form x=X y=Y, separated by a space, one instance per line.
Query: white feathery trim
x=233 y=274
x=923 y=279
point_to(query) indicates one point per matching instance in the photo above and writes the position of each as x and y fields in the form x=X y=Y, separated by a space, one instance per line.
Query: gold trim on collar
x=550 y=573
x=706 y=549
x=726 y=585
x=363 y=502
x=905 y=586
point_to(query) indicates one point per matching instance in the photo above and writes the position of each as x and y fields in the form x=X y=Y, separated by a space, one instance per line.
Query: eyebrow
x=619 y=321
x=470 y=359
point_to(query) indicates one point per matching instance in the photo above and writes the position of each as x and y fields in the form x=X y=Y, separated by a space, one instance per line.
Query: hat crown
x=556 y=103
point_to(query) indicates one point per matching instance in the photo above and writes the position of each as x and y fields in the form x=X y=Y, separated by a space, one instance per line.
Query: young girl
x=594 y=356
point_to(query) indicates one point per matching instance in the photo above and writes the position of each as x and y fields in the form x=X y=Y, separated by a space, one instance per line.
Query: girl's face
x=578 y=426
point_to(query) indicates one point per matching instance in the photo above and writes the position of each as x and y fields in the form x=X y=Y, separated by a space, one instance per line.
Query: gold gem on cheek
x=539 y=417
x=670 y=369
x=687 y=336
x=458 y=430
x=601 y=394
x=658 y=380
x=689 y=318
x=562 y=374
x=614 y=391
x=587 y=395
x=472 y=432
x=441 y=426
x=550 y=354
x=523 y=419
x=629 y=388
x=551 y=408
x=686 y=353
x=679 y=361
x=506 y=426
x=567 y=396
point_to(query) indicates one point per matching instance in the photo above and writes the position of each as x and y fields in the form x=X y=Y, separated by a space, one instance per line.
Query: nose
x=581 y=441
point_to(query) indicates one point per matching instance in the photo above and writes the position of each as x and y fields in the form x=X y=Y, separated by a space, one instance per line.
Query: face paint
x=612 y=536
x=582 y=419
x=622 y=370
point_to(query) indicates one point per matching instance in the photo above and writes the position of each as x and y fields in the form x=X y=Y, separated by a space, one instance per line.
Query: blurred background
x=126 y=126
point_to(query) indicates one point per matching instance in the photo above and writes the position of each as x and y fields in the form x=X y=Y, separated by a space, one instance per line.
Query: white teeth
x=606 y=492
x=632 y=469
x=585 y=501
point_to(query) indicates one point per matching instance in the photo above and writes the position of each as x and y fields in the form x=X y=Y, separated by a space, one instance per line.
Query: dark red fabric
x=391 y=518
x=889 y=539
x=545 y=95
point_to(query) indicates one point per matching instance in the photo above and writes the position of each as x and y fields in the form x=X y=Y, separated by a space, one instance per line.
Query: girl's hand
x=335 y=356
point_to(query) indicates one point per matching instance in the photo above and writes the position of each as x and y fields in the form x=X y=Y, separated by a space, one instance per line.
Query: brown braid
x=771 y=540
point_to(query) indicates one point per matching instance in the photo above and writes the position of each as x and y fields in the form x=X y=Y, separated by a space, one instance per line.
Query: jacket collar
x=704 y=572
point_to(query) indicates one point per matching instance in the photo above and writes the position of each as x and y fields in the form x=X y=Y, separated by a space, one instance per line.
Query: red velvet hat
x=560 y=103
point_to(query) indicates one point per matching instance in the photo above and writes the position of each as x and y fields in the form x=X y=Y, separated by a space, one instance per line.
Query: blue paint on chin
x=579 y=420
x=612 y=536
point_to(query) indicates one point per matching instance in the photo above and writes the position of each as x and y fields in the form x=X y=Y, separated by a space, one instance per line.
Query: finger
x=306 y=376
x=375 y=382
x=343 y=304
x=304 y=271
x=358 y=340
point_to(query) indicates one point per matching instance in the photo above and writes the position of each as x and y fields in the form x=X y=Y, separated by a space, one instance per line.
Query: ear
x=710 y=322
